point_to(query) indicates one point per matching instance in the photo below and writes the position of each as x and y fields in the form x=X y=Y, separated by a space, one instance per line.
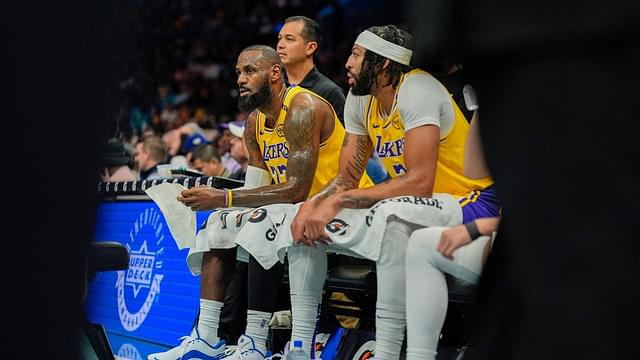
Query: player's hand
x=316 y=224
x=452 y=239
x=202 y=198
x=299 y=222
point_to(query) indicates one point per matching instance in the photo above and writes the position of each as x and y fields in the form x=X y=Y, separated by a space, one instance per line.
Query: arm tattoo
x=357 y=202
x=346 y=141
x=300 y=132
x=354 y=169
x=357 y=165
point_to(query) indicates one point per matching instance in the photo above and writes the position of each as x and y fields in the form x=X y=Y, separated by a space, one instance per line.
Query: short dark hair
x=205 y=152
x=310 y=28
x=394 y=35
x=267 y=53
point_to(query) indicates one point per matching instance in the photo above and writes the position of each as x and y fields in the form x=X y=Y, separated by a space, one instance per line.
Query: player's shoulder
x=304 y=98
x=421 y=81
x=252 y=117
x=418 y=86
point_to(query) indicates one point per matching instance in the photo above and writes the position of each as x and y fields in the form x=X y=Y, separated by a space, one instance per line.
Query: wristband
x=226 y=197
x=229 y=198
x=472 y=228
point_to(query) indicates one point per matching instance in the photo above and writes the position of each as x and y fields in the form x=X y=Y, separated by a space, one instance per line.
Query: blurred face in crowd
x=359 y=76
x=253 y=81
x=212 y=167
x=172 y=140
x=224 y=141
x=238 y=149
x=292 y=47
x=141 y=157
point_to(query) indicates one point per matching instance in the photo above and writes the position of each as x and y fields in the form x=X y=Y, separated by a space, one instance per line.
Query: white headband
x=382 y=47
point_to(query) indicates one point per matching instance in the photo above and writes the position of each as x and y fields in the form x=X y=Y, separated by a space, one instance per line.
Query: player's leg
x=263 y=290
x=390 y=304
x=307 y=274
x=233 y=316
x=216 y=273
x=427 y=293
x=218 y=266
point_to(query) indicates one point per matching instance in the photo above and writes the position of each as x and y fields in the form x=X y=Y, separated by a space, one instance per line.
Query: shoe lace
x=186 y=341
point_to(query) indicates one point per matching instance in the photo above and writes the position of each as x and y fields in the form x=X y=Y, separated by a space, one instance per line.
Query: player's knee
x=423 y=245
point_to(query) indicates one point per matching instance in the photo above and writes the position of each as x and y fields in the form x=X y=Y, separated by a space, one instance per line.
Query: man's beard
x=252 y=102
x=363 y=81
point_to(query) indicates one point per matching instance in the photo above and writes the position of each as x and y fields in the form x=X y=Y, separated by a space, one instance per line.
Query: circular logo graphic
x=365 y=351
x=258 y=215
x=337 y=226
x=141 y=282
x=128 y=351
x=396 y=122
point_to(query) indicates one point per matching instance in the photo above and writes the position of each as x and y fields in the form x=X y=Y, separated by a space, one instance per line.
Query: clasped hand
x=202 y=198
x=310 y=223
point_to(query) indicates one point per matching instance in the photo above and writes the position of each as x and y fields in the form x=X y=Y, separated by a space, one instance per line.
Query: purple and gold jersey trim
x=480 y=204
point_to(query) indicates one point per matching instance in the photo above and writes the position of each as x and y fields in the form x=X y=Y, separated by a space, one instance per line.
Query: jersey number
x=399 y=169
x=278 y=173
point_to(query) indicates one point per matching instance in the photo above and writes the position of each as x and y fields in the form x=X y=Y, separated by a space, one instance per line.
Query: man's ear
x=386 y=64
x=311 y=48
x=276 y=72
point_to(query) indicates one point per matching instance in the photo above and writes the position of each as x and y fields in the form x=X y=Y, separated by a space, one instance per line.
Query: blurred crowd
x=178 y=89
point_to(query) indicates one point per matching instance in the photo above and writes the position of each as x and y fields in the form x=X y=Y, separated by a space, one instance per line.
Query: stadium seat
x=101 y=256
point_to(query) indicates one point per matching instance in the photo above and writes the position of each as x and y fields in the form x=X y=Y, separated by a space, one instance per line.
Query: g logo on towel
x=338 y=227
x=258 y=215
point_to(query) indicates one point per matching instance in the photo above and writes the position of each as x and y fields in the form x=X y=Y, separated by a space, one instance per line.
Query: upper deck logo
x=142 y=277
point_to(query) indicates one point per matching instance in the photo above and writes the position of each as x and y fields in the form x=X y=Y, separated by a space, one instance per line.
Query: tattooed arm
x=356 y=150
x=302 y=132
x=420 y=155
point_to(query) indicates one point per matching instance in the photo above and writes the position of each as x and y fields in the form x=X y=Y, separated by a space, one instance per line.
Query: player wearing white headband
x=409 y=119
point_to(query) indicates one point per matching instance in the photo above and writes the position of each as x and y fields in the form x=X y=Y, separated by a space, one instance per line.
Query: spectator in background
x=116 y=160
x=181 y=140
x=238 y=150
x=150 y=152
x=223 y=142
x=297 y=43
x=165 y=97
x=187 y=145
x=206 y=159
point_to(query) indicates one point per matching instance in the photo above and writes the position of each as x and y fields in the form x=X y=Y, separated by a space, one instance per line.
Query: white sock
x=209 y=320
x=258 y=328
x=304 y=311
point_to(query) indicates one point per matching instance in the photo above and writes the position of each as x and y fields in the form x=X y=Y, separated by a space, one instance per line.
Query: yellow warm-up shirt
x=387 y=132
